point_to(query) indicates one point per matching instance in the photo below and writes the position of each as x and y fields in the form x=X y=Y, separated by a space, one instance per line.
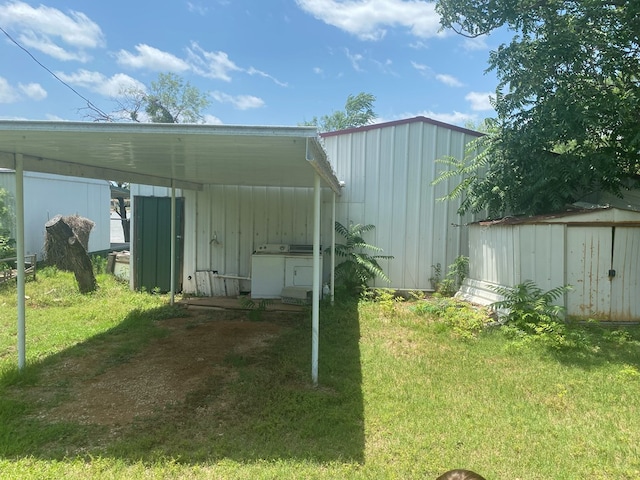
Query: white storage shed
x=47 y=195
x=388 y=170
x=596 y=251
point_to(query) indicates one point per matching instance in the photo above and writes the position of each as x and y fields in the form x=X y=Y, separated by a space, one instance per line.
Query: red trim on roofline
x=402 y=122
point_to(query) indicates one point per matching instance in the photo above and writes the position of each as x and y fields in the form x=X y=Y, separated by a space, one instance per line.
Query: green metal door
x=152 y=248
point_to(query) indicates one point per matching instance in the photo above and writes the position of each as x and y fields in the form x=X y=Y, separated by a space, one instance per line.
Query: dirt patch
x=195 y=351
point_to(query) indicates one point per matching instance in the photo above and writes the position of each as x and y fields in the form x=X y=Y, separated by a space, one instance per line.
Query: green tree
x=358 y=111
x=169 y=99
x=567 y=102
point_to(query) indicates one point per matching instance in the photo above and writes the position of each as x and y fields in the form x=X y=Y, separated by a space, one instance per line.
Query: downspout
x=20 y=261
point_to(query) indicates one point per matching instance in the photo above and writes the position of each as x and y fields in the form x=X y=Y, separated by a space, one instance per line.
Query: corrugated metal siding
x=48 y=195
x=508 y=255
x=225 y=224
x=388 y=173
x=625 y=286
x=557 y=254
x=589 y=251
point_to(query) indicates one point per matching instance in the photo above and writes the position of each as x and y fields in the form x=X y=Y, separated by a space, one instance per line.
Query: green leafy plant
x=358 y=266
x=436 y=277
x=463 y=319
x=458 y=271
x=7 y=244
x=255 y=309
x=528 y=310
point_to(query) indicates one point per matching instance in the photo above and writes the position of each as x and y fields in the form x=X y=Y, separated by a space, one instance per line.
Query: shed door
x=594 y=253
x=152 y=217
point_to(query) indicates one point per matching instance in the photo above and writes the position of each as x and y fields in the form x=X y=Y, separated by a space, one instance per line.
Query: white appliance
x=271 y=272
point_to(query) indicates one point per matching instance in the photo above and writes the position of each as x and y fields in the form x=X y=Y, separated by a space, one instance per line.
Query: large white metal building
x=388 y=170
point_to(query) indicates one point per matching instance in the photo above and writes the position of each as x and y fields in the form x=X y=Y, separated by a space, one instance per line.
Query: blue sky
x=269 y=62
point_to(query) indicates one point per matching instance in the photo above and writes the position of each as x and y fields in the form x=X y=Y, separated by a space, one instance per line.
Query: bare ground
x=98 y=391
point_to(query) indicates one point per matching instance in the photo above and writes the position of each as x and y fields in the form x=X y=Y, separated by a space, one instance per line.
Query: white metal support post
x=20 y=262
x=315 y=313
x=173 y=244
x=333 y=249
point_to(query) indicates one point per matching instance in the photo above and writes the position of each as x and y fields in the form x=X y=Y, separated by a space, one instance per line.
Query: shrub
x=357 y=267
x=528 y=310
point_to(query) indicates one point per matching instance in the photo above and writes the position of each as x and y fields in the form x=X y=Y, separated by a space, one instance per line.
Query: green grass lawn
x=401 y=395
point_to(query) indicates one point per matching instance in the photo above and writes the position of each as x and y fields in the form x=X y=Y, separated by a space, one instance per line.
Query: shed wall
x=48 y=195
x=509 y=255
x=388 y=174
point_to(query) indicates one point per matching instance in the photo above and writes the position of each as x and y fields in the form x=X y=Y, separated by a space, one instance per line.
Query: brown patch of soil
x=162 y=374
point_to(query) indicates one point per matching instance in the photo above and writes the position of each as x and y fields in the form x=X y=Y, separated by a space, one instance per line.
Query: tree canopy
x=168 y=99
x=567 y=102
x=358 y=111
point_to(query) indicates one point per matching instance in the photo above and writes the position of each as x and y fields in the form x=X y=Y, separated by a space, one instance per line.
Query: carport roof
x=185 y=156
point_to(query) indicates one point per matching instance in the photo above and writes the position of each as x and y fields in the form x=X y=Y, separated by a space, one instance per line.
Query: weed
x=99 y=264
x=255 y=309
x=462 y=318
x=528 y=310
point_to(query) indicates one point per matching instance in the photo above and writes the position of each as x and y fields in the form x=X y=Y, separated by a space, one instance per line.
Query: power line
x=90 y=104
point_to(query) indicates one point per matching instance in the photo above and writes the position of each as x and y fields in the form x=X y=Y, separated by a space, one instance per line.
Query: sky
x=261 y=62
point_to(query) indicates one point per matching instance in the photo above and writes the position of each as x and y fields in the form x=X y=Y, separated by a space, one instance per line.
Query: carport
x=170 y=155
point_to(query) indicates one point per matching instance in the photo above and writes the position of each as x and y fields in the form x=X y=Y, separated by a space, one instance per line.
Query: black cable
x=90 y=104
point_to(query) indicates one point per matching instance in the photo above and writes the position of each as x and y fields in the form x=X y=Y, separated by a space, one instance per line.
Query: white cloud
x=33 y=90
x=215 y=65
x=424 y=70
x=211 y=120
x=241 y=102
x=151 y=58
x=474 y=44
x=8 y=94
x=50 y=31
x=455 y=118
x=255 y=71
x=480 y=101
x=197 y=8
x=448 y=80
x=113 y=86
x=369 y=19
x=355 y=59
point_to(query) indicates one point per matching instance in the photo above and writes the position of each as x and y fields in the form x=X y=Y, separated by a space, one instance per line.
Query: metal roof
x=394 y=123
x=185 y=156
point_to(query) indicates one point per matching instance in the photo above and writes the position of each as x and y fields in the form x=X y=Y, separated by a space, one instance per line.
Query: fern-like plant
x=359 y=262
x=528 y=305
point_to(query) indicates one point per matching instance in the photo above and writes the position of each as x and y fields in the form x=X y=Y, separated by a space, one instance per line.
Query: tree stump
x=75 y=257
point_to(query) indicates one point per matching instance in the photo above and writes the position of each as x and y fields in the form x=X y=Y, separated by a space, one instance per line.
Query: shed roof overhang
x=178 y=155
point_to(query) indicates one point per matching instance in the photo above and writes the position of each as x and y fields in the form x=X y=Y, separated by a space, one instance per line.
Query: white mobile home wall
x=388 y=170
x=48 y=195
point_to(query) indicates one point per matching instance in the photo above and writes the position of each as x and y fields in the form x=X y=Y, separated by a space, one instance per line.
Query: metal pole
x=333 y=249
x=315 y=314
x=173 y=244
x=20 y=262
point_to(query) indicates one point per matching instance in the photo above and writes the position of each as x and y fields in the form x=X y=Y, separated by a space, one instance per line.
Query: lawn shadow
x=250 y=403
x=591 y=344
